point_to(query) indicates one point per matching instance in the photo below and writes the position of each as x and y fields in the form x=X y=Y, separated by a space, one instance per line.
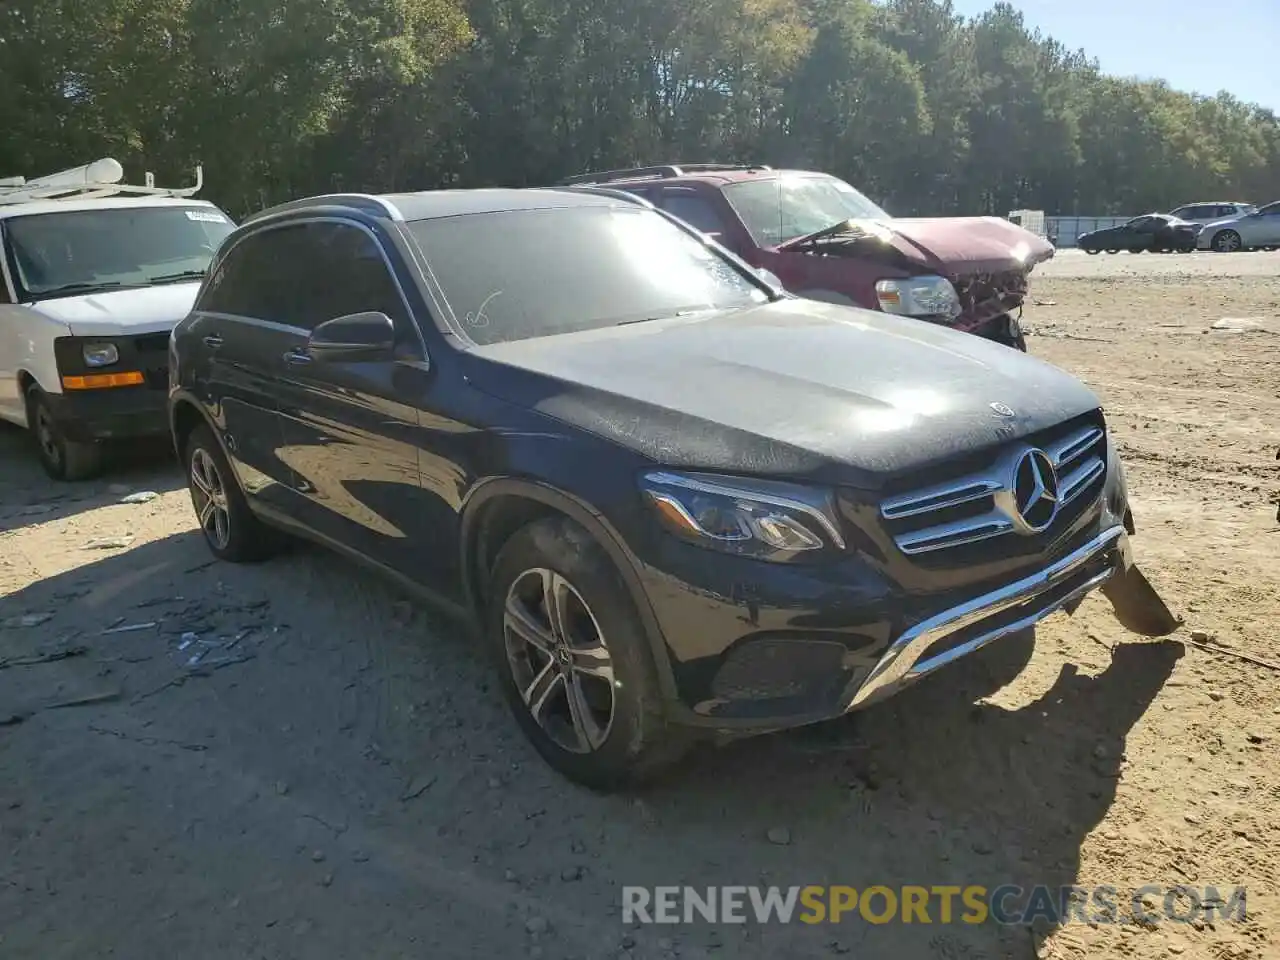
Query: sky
x=1200 y=46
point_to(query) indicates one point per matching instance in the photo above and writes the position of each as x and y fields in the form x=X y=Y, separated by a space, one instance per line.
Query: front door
x=238 y=320
x=350 y=427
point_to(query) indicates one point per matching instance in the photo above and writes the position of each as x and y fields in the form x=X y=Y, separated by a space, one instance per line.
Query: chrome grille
x=981 y=505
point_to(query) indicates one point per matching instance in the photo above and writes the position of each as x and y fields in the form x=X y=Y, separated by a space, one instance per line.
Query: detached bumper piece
x=1105 y=561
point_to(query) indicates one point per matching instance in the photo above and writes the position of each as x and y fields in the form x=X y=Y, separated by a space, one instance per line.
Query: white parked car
x=94 y=274
x=1249 y=231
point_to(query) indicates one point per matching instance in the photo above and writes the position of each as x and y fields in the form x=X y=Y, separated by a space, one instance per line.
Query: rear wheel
x=1113 y=249
x=61 y=458
x=1092 y=251
x=230 y=529
x=576 y=668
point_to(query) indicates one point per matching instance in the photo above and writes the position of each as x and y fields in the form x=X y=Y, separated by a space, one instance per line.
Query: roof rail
x=364 y=202
x=661 y=172
x=93 y=181
x=602 y=191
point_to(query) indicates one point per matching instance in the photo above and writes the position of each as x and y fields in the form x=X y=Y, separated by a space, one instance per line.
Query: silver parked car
x=1259 y=229
x=1203 y=213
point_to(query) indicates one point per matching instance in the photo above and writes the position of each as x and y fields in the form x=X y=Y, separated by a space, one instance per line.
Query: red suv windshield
x=791 y=206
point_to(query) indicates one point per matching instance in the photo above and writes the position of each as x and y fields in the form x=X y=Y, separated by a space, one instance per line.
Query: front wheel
x=1226 y=241
x=230 y=529
x=61 y=458
x=1092 y=251
x=576 y=668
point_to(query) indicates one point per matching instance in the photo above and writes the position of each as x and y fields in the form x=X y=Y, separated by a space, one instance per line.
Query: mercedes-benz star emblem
x=1001 y=409
x=1035 y=490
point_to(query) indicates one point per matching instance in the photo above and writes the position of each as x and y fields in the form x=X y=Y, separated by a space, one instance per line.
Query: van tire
x=62 y=459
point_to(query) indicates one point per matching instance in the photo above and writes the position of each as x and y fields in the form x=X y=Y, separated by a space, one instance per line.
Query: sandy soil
x=333 y=776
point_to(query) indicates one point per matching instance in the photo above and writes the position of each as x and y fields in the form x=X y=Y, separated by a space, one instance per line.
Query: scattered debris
x=1270 y=664
x=418 y=786
x=1238 y=325
x=1044 y=303
x=570 y=874
x=1200 y=636
x=1254 y=737
x=536 y=925
x=779 y=835
x=86 y=701
x=109 y=543
x=26 y=620
x=51 y=657
x=1217 y=696
x=131 y=628
x=142 y=496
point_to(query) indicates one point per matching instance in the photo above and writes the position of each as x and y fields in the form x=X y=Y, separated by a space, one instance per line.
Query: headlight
x=926 y=296
x=753 y=518
x=100 y=354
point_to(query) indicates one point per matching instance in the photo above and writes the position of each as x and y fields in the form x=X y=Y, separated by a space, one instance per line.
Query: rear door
x=350 y=432
x=243 y=330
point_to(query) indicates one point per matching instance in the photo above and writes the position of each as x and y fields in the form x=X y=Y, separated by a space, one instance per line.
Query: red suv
x=824 y=240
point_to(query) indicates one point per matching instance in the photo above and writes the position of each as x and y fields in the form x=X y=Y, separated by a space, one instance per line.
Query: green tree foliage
x=925 y=110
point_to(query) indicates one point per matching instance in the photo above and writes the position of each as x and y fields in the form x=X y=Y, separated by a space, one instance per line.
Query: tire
x=1226 y=241
x=229 y=527
x=1093 y=252
x=1113 y=249
x=61 y=458
x=613 y=734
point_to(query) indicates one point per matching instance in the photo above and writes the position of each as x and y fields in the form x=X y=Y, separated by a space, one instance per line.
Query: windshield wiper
x=174 y=277
x=87 y=287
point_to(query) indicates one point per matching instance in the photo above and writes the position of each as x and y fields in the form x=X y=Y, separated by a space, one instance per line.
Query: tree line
x=926 y=111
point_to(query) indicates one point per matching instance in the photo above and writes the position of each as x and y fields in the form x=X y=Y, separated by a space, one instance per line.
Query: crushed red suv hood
x=953 y=246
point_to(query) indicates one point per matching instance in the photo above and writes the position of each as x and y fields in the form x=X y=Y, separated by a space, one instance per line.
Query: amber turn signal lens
x=97 y=381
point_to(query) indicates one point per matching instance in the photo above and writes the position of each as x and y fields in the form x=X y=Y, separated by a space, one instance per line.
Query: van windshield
x=83 y=251
x=787 y=207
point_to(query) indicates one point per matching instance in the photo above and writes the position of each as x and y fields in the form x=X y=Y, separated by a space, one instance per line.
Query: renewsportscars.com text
x=937 y=904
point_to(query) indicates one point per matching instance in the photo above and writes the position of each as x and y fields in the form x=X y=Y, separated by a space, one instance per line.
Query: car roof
x=719 y=177
x=103 y=203
x=429 y=205
x=435 y=204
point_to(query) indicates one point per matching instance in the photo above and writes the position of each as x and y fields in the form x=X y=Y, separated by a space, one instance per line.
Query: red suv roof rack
x=661 y=172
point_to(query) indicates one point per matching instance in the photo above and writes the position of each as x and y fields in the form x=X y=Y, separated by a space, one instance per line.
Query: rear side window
x=303 y=274
x=692 y=209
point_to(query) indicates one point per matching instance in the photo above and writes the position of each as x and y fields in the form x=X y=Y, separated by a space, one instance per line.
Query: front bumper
x=810 y=644
x=116 y=413
x=959 y=631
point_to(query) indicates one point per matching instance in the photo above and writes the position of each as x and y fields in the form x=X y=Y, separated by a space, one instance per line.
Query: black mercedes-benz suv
x=671 y=497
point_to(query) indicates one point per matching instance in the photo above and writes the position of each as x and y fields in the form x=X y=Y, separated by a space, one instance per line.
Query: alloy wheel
x=559 y=660
x=209 y=494
x=1227 y=242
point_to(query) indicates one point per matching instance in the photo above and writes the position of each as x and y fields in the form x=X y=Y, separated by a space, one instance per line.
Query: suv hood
x=795 y=387
x=951 y=246
x=122 y=312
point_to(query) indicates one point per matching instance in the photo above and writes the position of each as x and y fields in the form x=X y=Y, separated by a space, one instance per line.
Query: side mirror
x=353 y=338
x=769 y=277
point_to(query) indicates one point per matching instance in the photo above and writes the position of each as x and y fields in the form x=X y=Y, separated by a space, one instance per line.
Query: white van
x=94 y=274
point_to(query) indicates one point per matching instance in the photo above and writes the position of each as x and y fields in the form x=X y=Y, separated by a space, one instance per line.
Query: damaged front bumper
x=1104 y=562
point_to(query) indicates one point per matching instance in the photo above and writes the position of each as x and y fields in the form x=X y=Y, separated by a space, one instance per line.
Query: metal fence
x=1066 y=229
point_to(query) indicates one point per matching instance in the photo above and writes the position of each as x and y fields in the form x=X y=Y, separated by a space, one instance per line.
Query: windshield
x=520 y=274
x=787 y=207
x=80 y=251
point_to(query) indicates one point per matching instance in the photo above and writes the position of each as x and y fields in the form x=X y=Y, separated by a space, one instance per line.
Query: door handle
x=297 y=356
x=213 y=341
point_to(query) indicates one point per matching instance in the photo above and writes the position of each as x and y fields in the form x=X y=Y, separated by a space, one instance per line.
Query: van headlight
x=100 y=354
x=926 y=296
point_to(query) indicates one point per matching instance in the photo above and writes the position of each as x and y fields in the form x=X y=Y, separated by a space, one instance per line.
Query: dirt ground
x=292 y=760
